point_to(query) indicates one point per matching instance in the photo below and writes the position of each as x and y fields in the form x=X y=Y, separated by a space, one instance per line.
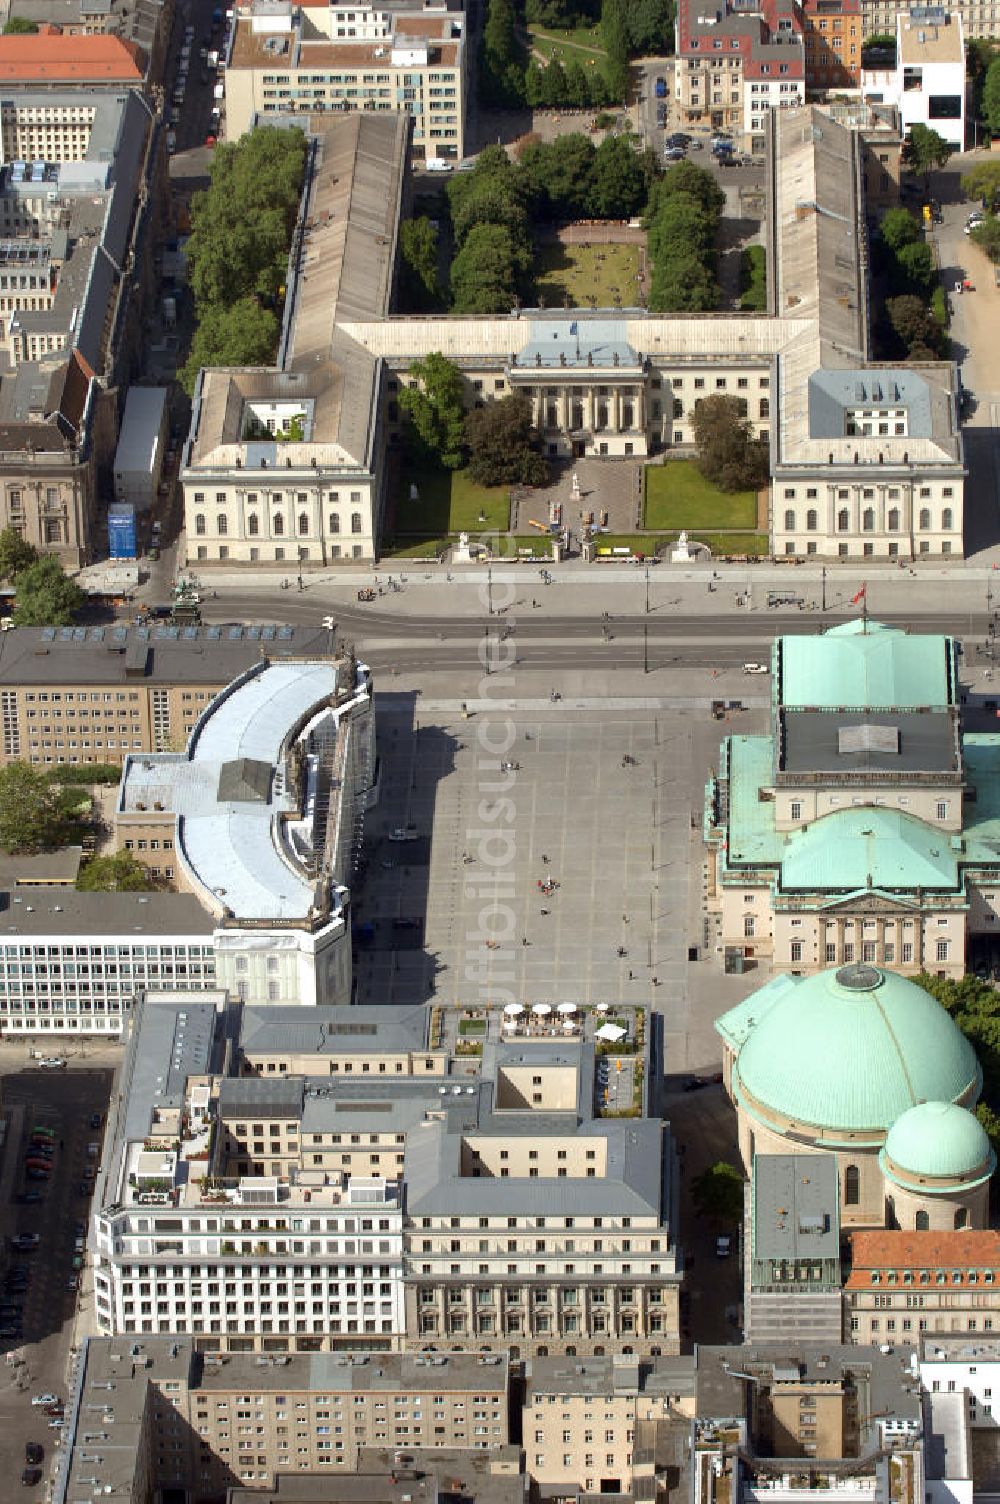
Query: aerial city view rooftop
x=499 y=532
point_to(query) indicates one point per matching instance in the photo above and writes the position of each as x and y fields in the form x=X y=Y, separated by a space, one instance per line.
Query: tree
x=501 y=56
x=557 y=177
x=682 y=226
x=503 y=445
x=15 y=553
x=728 y=453
x=120 y=872
x=436 y=409
x=418 y=250
x=923 y=150
x=243 y=334
x=975 y=1008
x=682 y=284
x=987 y=237
x=686 y=177
x=620 y=182
x=916 y=267
x=46 y=596
x=898 y=228
x=484 y=274
x=614 y=34
x=34 y=816
x=915 y=325
x=718 y=1193
x=20 y=26
x=982 y=182
x=650 y=27
x=991 y=97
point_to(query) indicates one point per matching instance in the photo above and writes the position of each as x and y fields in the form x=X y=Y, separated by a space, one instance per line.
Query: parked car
x=30 y=1198
x=754 y=668
x=73 y=1282
x=38 y=1174
x=404 y=833
x=25 y=1242
x=723 y=1246
x=34 y=1452
x=45 y=1399
x=56 y=1423
x=95 y=1120
x=52 y=1063
x=30 y=1476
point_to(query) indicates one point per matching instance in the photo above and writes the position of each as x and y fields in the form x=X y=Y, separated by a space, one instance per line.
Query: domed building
x=863 y=1064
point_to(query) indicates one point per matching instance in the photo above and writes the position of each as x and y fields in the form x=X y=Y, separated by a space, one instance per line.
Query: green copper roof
x=867 y=847
x=752 y=836
x=941 y=1140
x=881 y=668
x=847 y=1050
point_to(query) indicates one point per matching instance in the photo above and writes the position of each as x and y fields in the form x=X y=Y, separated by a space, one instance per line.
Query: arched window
x=253 y=525
x=852 y=1186
x=921 y=1221
x=946 y=520
x=868 y=520
x=222 y=524
x=961 y=1218
x=355 y=522
x=842 y=520
x=303 y=524
x=811 y=521
x=925 y=518
x=893 y=520
x=278 y=525
x=789 y=522
x=334 y=522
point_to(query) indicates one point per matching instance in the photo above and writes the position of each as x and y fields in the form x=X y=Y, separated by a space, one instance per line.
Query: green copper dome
x=939 y=1140
x=851 y=1049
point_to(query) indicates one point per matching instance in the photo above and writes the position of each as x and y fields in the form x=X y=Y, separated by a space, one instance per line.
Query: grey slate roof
x=331 y=1030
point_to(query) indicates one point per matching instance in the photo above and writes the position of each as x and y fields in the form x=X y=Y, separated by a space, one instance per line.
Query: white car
x=404 y=833
x=755 y=668
x=45 y=1399
x=52 y=1063
x=56 y=1424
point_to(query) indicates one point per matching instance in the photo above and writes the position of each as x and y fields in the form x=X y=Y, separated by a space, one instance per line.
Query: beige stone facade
x=905 y=1285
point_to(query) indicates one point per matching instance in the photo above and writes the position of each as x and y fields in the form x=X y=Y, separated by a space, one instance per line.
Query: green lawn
x=678 y=496
x=448 y=502
x=587 y=275
x=720 y=543
x=549 y=43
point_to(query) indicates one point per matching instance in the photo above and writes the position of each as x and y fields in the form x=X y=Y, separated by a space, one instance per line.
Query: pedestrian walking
x=630 y=976
x=545 y=860
x=525 y=940
x=624 y=919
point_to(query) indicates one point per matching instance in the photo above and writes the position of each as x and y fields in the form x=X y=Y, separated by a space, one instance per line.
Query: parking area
x=55 y=1126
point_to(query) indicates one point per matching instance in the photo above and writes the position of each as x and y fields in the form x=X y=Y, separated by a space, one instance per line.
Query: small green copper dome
x=850 y=1049
x=939 y=1140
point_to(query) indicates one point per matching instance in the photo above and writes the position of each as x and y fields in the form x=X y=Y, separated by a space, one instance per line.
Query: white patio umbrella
x=542 y=1010
x=566 y=1008
x=513 y=1009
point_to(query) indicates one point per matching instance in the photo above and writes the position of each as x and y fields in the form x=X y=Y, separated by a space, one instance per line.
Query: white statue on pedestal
x=680 y=553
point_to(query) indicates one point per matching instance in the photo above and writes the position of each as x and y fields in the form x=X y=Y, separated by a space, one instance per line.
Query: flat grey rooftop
x=927 y=742
x=330 y=1030
x=795 y=1206
x=610 y=1375
x=359 y=1373
x=170 y=1043
x=884 y=1381
x=165 y=654
x=97 y=917
x=487 y=1477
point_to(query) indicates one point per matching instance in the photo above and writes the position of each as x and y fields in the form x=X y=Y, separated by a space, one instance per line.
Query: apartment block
x=285 y=1212
x=598 y=1426
x=833 y=37
x=980 y=18
x=737 y=63
x=97 y=694
x=79 y=200
x=792 y=1286
x=904 y=1286
x=389 y=58
x=203 y=1424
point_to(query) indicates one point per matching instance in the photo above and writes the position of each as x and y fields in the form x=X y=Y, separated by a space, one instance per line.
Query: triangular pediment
x=870 y=901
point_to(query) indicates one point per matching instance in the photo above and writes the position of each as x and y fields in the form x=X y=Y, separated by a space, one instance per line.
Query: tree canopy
x=241 y=229
x=120 y=872
x=15 y=553
x=20 y=26
x=991 y=97
x=436 y=410
x=718 y=1193
x=729 y=455
x=898 y=228
x=924 y=149
x=418 y=254
x=987 y=236
x=982 y=182
x=46 y=596
x=34 y=814
x=503 y=445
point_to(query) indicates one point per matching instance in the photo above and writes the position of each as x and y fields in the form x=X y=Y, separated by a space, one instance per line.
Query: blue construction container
x=122 y=543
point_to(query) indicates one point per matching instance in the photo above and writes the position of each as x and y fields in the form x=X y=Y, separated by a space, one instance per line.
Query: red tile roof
x=50 y=59
x=949 y=1252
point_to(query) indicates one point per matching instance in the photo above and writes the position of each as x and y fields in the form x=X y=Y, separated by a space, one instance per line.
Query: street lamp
x=299 y=577
x=824 y=587
x=489 y=587
x=647 y=589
